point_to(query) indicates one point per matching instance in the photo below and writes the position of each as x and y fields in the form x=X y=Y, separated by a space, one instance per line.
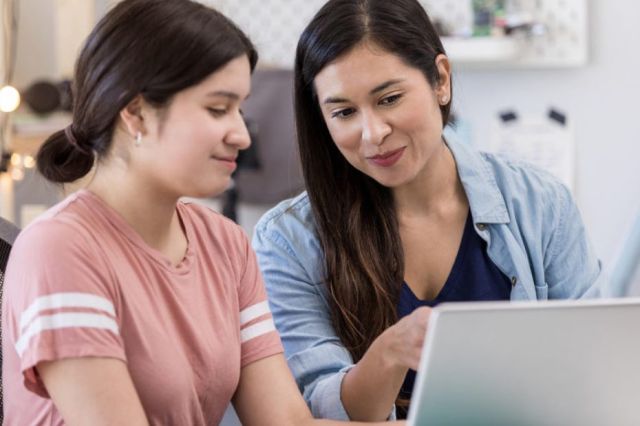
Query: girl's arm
x=93 y=391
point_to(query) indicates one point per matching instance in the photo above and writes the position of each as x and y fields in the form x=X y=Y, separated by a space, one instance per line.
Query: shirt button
x=514 y=281
x=482 y=226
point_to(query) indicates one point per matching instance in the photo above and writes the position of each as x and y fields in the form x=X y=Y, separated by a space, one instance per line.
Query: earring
x=444 y=99
x=138 y=141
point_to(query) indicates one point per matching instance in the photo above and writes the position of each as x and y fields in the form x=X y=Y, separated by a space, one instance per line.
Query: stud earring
x=138 y=139
x=444 y=99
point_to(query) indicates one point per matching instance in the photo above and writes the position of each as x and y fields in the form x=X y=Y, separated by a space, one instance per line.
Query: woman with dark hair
x=396 y=218
x=123 y=305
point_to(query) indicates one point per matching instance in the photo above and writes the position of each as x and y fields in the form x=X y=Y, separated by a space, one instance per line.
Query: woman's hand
x=402 y=343
x=371 y=387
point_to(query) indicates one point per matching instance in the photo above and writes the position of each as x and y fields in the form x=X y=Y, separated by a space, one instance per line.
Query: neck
x=150 y=212
x=435 y=192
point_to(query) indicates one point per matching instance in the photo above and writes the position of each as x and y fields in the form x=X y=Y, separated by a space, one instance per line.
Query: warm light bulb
x=17 y=173
x=29 y=162
x=9 y=99
x=16 y=159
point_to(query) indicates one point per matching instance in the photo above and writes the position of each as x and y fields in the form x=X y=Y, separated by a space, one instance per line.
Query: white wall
x=50 y=34
x=601 y=99
x=36 y=53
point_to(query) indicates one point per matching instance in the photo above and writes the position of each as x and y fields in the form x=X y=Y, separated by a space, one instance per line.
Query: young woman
x=396 y=219
x=123 y=305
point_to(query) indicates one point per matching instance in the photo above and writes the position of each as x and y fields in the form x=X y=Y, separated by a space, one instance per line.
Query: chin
x=213 y=193
x=391 y=185
x=210 y=190
x=391 y=181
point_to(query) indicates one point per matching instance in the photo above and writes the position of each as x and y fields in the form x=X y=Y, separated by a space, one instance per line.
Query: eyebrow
x=379 y=88
x=224 y=93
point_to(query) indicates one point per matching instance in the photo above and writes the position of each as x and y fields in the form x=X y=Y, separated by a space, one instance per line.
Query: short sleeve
x=257 y=330
x=59 y=299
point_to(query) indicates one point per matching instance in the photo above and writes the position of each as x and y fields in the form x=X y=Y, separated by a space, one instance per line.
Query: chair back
x=8 y=234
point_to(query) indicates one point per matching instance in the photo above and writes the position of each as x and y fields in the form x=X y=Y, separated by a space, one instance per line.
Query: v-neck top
x=473 y=277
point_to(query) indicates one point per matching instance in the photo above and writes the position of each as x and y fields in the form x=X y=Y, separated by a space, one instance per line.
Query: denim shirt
x=534 y=235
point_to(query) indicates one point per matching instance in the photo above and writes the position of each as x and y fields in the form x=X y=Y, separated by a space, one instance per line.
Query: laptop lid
x=530 y=363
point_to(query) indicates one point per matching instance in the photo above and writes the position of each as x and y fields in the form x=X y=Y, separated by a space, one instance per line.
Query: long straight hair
x=355 y=215
x=153 y=48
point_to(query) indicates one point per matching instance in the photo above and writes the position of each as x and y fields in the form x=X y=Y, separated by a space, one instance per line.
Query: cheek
x=195 y=138
x=422 y=117
x=345 y=135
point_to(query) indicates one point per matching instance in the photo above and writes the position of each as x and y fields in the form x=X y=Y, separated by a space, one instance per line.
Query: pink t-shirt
x=82 y=283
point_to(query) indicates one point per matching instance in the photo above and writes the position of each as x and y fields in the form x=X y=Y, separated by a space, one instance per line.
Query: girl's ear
x=132 y=117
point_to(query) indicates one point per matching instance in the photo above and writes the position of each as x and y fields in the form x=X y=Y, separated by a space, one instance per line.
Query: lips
x=229 y=162
x=388 y=158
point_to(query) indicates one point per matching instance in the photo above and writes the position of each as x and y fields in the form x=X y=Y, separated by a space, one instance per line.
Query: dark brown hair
x=153 y=48
x=355 y=215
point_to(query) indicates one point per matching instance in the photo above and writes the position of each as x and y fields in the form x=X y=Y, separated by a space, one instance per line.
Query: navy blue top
x=473 y=277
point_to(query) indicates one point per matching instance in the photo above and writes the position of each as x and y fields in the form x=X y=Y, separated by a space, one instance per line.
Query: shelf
x=482 y=50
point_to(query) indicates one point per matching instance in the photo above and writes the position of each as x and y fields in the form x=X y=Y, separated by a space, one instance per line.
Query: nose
x=238 y=134
x=374 y=128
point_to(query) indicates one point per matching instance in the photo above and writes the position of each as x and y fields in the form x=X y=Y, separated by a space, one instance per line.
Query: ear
x=443 y=88
x=133 y=118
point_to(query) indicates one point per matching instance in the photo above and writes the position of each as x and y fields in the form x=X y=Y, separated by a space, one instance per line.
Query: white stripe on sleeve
x=65 y=320
x=65 y=300
x=256 y=330
x=253 y=312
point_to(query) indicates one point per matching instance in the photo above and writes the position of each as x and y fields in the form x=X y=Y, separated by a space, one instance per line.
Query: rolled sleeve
x=326 y=403
x=572 y=269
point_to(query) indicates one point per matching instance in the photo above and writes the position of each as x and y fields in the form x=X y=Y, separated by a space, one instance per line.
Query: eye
x=343 y=113
x=390 y=100
x=217 y=112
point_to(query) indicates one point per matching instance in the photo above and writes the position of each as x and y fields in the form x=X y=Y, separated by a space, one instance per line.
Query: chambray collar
x=478 y=179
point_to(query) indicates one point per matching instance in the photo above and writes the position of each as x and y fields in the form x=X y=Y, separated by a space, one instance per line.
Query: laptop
x=530 y=363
